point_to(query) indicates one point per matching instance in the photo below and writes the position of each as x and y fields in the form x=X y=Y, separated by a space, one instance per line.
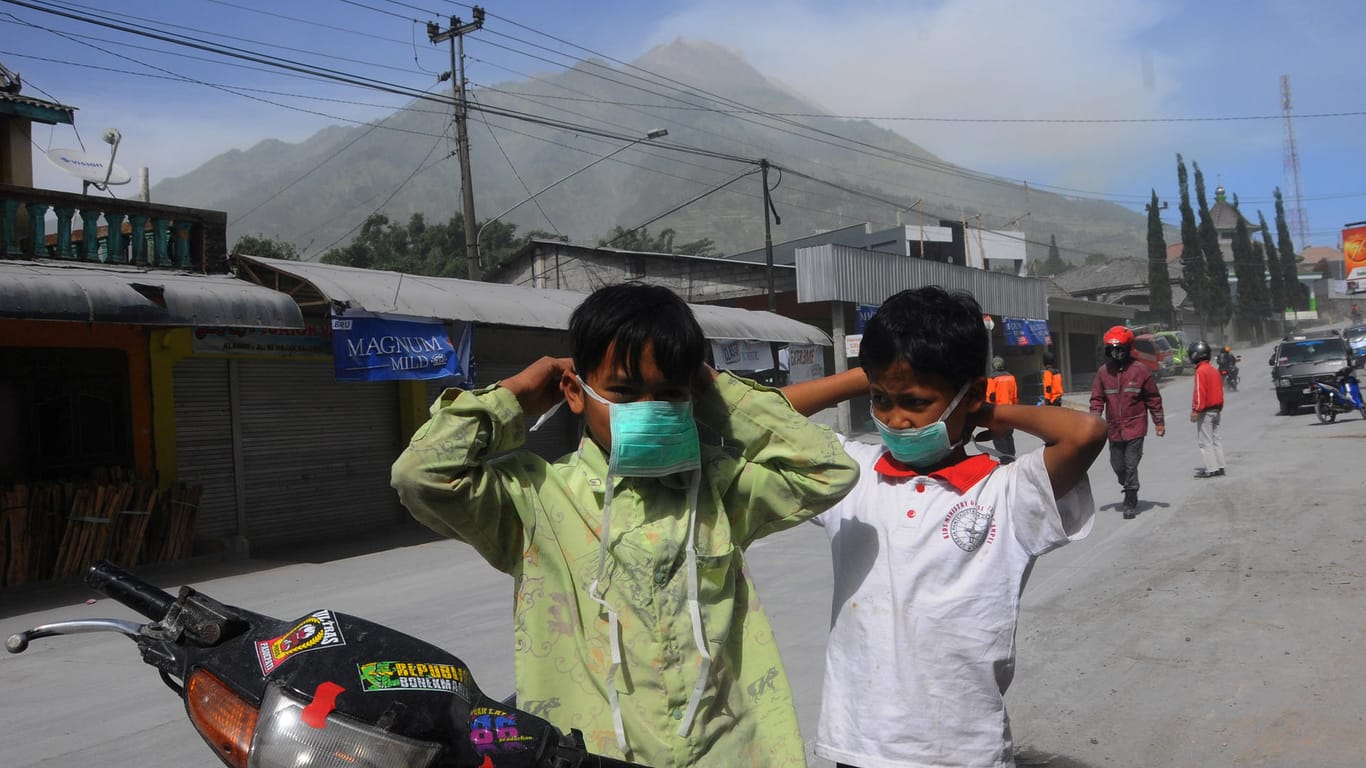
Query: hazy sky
x=1091 y=98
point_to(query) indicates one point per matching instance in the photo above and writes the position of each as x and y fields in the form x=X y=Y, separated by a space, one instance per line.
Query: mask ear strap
x=958 y=398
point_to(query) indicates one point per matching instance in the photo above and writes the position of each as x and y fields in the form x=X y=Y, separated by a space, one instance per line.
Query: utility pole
x=455 y=34
x=768 y=262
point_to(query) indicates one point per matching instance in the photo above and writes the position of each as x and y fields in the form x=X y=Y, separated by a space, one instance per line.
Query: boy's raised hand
x=537 y=386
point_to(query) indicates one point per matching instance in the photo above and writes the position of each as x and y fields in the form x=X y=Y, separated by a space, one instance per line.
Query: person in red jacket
x=1207 y=403
x=1126 y=393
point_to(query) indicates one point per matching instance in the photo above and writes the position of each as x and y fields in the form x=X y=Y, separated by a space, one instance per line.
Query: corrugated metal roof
x=43 y=111
x=840 y=273
x=44 y=290
x=449 y=298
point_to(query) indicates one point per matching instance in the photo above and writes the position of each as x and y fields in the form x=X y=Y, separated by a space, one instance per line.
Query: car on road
x=1180 y=347
x=1356 y=339
x=1155 y=353
x=1301 y=359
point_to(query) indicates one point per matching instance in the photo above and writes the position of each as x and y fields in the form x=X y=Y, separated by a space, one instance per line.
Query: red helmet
x=1119 y=336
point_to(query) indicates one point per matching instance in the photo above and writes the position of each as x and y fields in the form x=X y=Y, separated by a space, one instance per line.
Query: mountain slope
x=333 y=180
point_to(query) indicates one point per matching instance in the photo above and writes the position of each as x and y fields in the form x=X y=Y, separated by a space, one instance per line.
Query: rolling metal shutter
x=203 y=443
x=316 y=452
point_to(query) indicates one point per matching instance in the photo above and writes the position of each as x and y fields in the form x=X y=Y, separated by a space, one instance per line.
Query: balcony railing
x=103 y=230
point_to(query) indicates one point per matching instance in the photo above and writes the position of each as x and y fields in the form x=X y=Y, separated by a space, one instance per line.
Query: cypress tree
x=1247 y=264
x=1220 y=302
x=1159 y=280
x=1275 y=280
x=1296 y=294
x=1193 y=276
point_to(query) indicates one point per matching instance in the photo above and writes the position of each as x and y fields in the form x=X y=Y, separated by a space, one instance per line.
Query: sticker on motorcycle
x=318 y=630
x=493 y=730
x=410 y=676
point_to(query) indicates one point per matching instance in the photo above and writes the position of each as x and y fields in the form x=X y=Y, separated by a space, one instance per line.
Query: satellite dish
x=87 y=167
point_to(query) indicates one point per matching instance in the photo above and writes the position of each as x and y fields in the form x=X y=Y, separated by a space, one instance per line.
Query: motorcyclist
x=1126 y=394
x=1228 y=362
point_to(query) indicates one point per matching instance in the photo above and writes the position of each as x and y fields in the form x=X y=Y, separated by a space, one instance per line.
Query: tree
x=419 y=248
x=1296 y=294
x=1219 y=302
x=1251 y=309
x=1159 y=280
x=640 y=240
x=1095 y=258
x=1053 y=264
x=1194 y=277
x=268 y=247
x=1275 y=279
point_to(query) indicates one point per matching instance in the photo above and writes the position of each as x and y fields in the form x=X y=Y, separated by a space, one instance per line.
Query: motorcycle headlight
x=284 y=740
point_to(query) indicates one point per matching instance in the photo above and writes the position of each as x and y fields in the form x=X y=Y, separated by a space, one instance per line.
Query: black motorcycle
x=326 y=690
x=1229 y=370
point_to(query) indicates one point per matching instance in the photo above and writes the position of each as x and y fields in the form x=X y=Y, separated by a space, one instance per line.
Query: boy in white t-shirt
x=932 y=548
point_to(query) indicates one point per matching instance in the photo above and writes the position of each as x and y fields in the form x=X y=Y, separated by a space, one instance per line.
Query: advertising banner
x=313 y=339
x=369 y=347
x=1354 y=257
x=803 y=362
x=736 y=355
x=1026 y=333
x=862 y=314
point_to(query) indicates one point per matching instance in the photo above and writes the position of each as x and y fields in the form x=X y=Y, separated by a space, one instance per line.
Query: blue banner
x=386 y=348
x=1027 y=333
x=862 y=314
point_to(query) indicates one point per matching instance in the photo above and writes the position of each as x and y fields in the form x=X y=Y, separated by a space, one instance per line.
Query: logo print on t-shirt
x=969 y=525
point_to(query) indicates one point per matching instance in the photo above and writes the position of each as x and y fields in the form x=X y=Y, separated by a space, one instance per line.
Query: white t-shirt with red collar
x=928 y=576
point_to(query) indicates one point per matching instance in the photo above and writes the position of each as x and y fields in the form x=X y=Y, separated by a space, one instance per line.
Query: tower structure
x=1299 y=218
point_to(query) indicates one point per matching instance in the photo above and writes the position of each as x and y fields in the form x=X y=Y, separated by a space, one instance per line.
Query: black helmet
x=1199 y=352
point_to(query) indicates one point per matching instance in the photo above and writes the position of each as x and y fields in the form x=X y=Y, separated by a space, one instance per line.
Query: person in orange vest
x=1002 y=390
x=1052 y=381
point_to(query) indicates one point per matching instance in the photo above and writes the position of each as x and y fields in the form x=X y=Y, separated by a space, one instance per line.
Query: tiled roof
x=1225 y=217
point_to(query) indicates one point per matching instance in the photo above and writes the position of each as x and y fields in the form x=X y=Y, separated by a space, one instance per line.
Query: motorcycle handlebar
x=118 y=584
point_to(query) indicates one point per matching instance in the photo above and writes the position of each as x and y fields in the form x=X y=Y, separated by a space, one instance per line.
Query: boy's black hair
x=634 y=315
x=932 y=330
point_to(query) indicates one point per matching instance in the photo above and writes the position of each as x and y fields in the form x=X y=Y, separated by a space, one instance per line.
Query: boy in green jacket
x=635 y=619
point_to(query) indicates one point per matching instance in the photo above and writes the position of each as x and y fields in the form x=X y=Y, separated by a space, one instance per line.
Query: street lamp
x=656 y=133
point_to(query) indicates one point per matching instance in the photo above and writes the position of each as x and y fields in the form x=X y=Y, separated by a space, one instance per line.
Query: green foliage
x=267 y=247
x=1194 y=276
x=419 y=248
x=1096 y=258
x=1159 y=280
x=1253 y=304
x=1275 y=278
x=1296 y=293
x=640 y=240
x=1053 y=265
x=1218 y=309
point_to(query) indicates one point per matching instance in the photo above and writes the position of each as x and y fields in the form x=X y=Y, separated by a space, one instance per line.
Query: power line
x=422 y=166
x=525 y=187
x=657 y=217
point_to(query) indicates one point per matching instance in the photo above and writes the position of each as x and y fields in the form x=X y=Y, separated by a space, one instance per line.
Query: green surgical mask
x=651 y=438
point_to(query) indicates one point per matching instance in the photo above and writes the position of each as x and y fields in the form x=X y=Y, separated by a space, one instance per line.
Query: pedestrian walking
x=1207 y=405
x=1126 y=393
x=1002 y=389
x=1052 y=380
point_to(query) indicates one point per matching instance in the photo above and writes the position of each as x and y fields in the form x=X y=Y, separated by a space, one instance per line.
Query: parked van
x=1180 y=346
x=1156 y=353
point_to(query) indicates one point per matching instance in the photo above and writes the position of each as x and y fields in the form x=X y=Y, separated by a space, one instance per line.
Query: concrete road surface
x=1222 y=627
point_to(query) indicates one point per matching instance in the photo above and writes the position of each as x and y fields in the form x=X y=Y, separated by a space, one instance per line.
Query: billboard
x=1354 y=256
